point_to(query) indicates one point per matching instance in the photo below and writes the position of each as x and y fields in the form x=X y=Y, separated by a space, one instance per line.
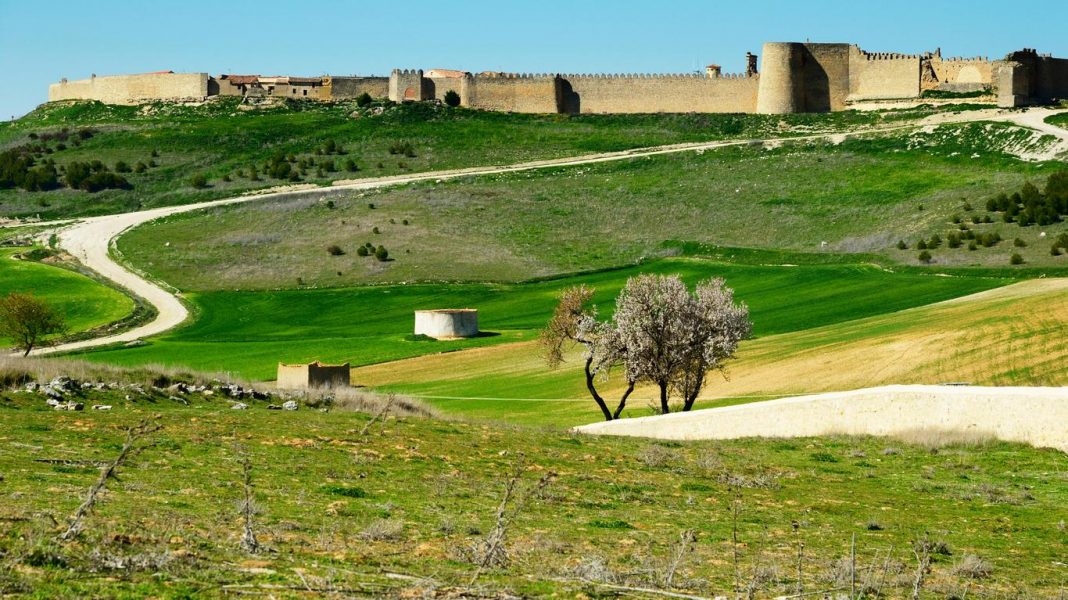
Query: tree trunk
x=623 y=400
x=593 y=391
x=664 y=408
x=27 y=352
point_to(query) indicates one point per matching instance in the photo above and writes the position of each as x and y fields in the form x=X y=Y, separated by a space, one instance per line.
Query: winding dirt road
x=90 y=240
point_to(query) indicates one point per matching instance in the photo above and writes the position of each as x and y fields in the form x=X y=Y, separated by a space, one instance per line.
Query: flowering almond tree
x=661 y=333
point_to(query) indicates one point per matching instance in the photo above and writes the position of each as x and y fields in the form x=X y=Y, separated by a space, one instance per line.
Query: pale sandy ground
x=89 y=240
x=1036 y=416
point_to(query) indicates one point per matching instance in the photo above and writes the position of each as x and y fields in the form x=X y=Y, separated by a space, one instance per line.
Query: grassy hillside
x=857 y=196
x=83 y=302
x=397 y=512
x=221 y=138
x=249 y=332
x=1014 y=335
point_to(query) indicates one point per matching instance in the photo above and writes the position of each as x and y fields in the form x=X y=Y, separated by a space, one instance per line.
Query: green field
x=220 y=138
x=860 y=196
x=83 y=302
x=249 y=332
x=394 y=513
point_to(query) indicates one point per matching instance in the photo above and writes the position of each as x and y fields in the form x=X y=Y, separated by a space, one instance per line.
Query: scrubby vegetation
x=222 y=138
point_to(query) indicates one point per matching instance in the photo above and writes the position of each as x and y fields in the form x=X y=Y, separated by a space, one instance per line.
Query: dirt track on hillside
x=90 y=240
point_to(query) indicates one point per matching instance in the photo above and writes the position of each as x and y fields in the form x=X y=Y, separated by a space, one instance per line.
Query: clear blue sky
x=44 y=40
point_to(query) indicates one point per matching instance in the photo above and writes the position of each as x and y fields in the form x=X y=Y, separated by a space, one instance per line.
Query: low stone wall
x=1037 y=416
x=447 y=324
x=344 y=88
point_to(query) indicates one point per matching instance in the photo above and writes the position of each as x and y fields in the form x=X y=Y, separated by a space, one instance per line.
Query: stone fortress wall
x=132 y=89
x=793 y=77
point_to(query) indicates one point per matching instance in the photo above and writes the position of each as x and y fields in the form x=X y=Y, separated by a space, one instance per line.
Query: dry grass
x=934 y=439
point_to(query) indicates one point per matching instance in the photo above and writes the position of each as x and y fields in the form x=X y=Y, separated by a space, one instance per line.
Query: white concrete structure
x=1034 y=415
x=447 y=324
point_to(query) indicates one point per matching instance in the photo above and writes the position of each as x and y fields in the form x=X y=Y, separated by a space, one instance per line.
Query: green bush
x=1019 y=243
x=375 y=230
x=925 y=257
x=381 y=253
x=1016 y=259
x=901 y=245
x=452 y=98
x=921 y=245
x=953 y=240
x=199 y=181
x=972 y=246
x=122 y=167
x=350 y=165
x=140 y=167
x=362 y=251
x=364 y=100
x=334 y=250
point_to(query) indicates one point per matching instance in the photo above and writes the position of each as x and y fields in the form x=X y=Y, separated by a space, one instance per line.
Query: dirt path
x=90 y=240
x=1033 y=415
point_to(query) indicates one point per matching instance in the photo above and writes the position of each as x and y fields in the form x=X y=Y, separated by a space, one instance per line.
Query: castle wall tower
x=781 y=88
x=406 y=85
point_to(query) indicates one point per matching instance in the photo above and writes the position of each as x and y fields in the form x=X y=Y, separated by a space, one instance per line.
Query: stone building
x=311 y=375
x=447 y=324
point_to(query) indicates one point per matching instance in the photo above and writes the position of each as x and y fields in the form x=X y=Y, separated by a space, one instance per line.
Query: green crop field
x=83 y=302
x=221 y=138
x=400 y=510
x=249 y=332
x=860 y=196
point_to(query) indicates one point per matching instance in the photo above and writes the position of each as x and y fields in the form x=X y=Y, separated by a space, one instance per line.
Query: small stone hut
x=447 y=324
x=314 y=374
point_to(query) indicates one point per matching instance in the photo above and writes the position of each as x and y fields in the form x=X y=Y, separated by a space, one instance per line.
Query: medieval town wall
x=343 y=88
x=1051 y=79
x=962 y=74
x=514 y=93
x=437 y=87
x=583 y=94
x=132 y=89
x=877 y=76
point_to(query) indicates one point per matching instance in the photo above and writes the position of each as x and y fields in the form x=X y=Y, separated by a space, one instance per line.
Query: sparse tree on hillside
x=660 y=333
x=674 y=338
x=27 y=320
x=575 y=322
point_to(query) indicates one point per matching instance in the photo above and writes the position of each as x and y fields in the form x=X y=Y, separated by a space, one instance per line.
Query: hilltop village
x=792 y=77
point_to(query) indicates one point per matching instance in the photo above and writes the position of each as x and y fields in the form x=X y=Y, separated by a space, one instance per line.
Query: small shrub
x=364 y=100
x=953 y=240
x=452 y=98
x=330 y=204
x=199 y=181
x=934 y=242
x=921 y=245
x=334 y=250
x=371 y=205
x=901 y=245
x=1019 y=243
x=955 y=219
x=1055 y=250
x=404 y=222
x=825 y=457
x=610 y=524
x=972 y=246
x=155 y=154
x=122 y=167
x=375 y=230
x=346 y=491
x=1016 y=259
x=226 y=177
x=381 y=254
x=971 y=566
x=873 y=526
x=350 y=165
x=924 y=257
x=362 y=251
x=381 y=530
x=968 y=207
x=140 y=167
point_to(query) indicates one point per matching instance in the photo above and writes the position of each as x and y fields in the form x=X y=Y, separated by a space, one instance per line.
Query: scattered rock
x=273 y=407
x=134 y=343
x=258 y=395
x=239 y=406
x=289 y=405
x=69 y=406
x=101 y=407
